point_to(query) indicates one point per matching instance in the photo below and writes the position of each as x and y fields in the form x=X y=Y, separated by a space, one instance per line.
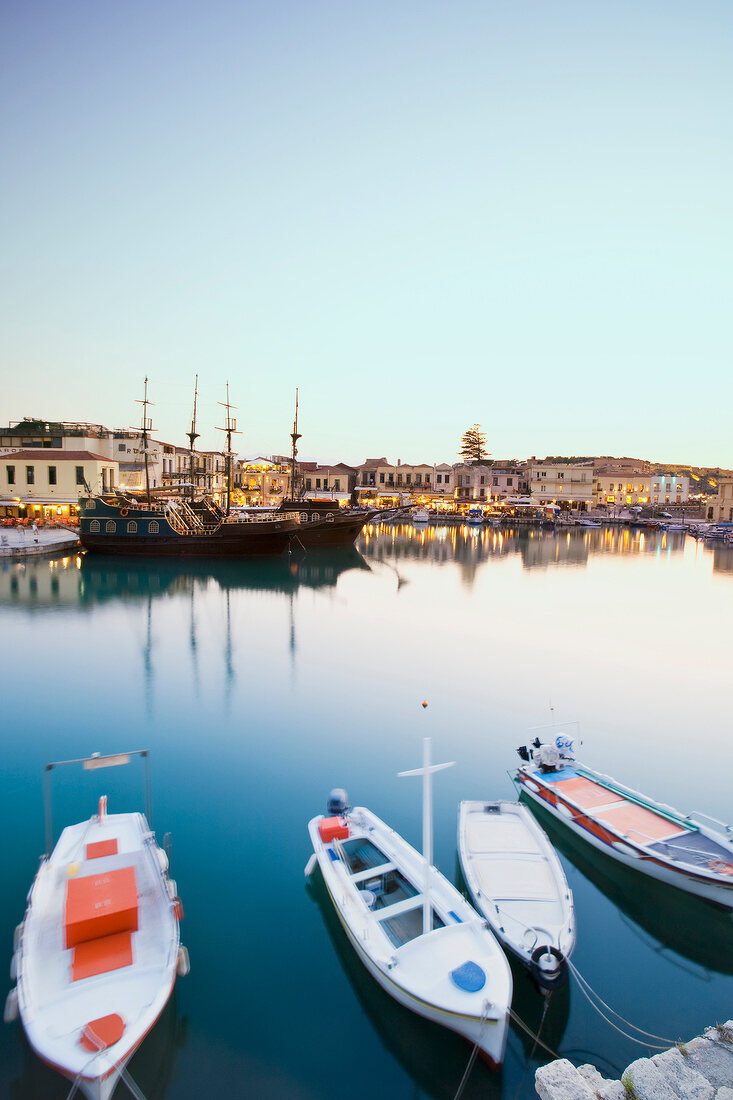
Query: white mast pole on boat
x=426 y=771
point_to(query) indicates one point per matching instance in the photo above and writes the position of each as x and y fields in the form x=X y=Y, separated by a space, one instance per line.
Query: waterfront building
x=262 y=481
x=472 y=482
x=508 y=481
x=325 y=482
x=567 y=484
x=46 y=483
x=720 y=508
x=618 y=487
x=381 y=481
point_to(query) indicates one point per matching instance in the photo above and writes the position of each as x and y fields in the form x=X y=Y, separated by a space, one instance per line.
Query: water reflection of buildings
x=537 y=547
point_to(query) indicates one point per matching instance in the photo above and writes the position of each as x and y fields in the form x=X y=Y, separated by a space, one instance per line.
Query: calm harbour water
x=260 y=686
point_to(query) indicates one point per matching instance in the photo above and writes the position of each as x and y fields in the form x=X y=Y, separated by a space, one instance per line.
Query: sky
x=423 y=215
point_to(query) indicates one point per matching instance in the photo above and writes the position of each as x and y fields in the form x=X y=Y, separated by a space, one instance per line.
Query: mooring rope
x=474 y=1052
x=588 y=992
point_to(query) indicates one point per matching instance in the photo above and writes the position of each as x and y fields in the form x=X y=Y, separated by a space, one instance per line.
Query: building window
x=439 y=479
x=409 y=478
x=495 y=481
x=30 y=475
x=10 y=471
x=381 y=479
x=51 y=475
x=481 y=481
x=94 y=527
x=418 y=479
x=308 y=483
x=110 y=527
x=120 y=446
x=447 y=479
x=325 y=483
x=79 y=475
x=318 y=483
x=132 y=527
x=391 y=479
x=560 y=475
x=510 y=481
x=399 y=479
x=153 y=527
x=337 y=485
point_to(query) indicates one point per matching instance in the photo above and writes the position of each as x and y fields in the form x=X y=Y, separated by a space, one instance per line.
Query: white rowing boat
x=692 y=852
x=517 y=882
x=414 y=932
x=98 y=951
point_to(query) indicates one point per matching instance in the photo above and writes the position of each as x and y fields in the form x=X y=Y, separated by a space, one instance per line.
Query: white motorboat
x=517 y=882
x=420 y=517
x=98 y=951
x=693 y=852
x=414 y=932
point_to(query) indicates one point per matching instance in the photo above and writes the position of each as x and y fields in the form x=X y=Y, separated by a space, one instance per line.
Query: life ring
x=124 y=511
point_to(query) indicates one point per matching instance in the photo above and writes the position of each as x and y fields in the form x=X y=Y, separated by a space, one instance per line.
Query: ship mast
x=192 y=437
x=230 y=428
x=295 y=436
x=145 y=427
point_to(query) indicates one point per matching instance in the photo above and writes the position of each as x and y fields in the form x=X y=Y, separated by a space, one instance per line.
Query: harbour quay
x=701 y=1069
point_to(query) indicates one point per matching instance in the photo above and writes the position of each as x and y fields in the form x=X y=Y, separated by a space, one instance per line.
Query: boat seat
x=102 y=1033
x=101 y=955
x=100 y=848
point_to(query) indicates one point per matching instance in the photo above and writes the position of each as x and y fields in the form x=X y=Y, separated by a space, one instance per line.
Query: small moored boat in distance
x=415 y=933
x=98 y=951
x=693 y=852
x=420 y=517
x=517 y=882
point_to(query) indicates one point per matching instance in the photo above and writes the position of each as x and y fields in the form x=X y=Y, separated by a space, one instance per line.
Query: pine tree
x=473 y=445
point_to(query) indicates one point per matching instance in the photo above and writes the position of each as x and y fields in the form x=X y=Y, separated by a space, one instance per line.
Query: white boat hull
x=625 y=846
x=417 y=972
x=59 y=994
x=517 y=883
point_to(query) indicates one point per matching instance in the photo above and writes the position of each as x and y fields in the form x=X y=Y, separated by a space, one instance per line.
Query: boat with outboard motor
x=693 y=852
x=98 y=951
x=517 y=882
x=415 y=933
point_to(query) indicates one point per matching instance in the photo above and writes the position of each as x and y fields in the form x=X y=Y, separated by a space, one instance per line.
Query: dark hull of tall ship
x=107 y=527
x=324 y=524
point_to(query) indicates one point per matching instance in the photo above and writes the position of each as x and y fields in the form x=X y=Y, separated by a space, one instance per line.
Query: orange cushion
x=101 y=848
x=102 y=1033
x=99 y=905
x=99 y=956
x=332 y=828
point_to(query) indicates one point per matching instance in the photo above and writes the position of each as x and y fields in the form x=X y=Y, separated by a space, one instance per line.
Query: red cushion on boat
x=98 y=956
x=102 y=1033
x=98 y=905
x=101 y=848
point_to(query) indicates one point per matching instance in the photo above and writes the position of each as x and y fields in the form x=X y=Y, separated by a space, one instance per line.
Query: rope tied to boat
x=589 y=993
x=474 y=1052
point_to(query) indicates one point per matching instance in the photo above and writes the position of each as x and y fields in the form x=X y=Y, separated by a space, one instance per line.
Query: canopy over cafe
x=45 y=485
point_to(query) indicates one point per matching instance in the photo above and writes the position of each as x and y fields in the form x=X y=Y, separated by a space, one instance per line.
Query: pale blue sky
x=422 y=214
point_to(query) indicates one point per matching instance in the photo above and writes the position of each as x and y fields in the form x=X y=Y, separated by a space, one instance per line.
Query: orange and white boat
x=97 y=953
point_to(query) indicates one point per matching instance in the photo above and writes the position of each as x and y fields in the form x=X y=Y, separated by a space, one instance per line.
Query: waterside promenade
x=21 y=542
x=699 y=1070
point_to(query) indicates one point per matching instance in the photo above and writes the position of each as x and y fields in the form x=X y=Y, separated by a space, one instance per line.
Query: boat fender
x=10 y=1012
x=178 y=908
x=547 y=961
x=162 y=859
x=183 y=963
x=14 y=968
x=17 y=934
x=123 y=511
x=172 y=889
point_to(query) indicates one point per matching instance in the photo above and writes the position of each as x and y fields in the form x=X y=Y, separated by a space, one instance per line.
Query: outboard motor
x=338 y=802
x=524 y=753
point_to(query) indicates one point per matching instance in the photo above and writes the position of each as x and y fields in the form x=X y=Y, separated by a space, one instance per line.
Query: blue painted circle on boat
x=469 y=977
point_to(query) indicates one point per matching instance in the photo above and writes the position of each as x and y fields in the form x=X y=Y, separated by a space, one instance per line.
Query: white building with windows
x=720 y=508
x=567 y=484
x=620 y=488
x=48 y=482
